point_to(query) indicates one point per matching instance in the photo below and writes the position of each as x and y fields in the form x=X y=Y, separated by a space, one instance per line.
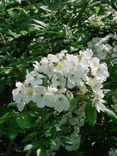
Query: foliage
x=29 y=30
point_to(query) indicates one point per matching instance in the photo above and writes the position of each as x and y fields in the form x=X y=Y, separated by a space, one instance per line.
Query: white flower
x=99 y=70
x=52 y=58
x=36 y=65
x=71 y=61
x=87 y=54
x=50 y=93
x=34 y=78
x=60 y=102
x=100 y=51
x=102 y=48
x=94 y=64
x=107 y=47
x=59 y=67
x=75 y=77
x=62 y=54
x=46 y=67
x=50 y=82
x=58 y=80
x=19 y=95
x=51 y=90
x=100 y=106
x=102 y=72
x=85 y=58
x=83 y=89
x=115 y=35
x=40 y=96
x=73 y=142
x=112 y=152
x=29 y=92
x=94 y=84
x=98 y=101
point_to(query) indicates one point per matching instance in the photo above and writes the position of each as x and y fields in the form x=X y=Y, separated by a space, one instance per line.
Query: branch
x=114 y=6
x=109 y=59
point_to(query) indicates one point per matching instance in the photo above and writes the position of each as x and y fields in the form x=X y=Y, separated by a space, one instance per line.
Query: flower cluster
x=105 y=47
x=69 y=130
x=112 y=152
x=57 y=79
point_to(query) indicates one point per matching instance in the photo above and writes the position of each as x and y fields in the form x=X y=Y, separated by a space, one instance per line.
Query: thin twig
x=109 y=59
x=114 y=7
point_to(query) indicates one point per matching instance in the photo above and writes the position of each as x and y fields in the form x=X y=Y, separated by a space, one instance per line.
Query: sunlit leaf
x=41 y=152
x=91 y=114
x=111 y=114
x=23 y=120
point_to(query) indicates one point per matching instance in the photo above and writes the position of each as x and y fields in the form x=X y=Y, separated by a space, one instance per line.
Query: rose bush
x=67 y=101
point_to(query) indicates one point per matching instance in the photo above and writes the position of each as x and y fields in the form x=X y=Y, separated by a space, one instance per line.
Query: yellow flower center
x=60 y=65
x=30 y=91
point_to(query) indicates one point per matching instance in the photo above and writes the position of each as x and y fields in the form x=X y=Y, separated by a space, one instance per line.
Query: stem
x=109 y=59
x=114 y=7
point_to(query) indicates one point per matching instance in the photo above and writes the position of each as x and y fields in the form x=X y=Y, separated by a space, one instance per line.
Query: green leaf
x=30 y=137
x=83 y=38
x=23 y=120
x=97 y=9
x=4 y=117
x=19 y=1
x=42 y=24
x=91 y=114
x=41 y=152
x=110 y=94
x=12 y=134
x=111 y=114
x=28 y=147
x=68 y=32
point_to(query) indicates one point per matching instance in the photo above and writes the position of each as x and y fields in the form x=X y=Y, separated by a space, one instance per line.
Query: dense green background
x=29 y=30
